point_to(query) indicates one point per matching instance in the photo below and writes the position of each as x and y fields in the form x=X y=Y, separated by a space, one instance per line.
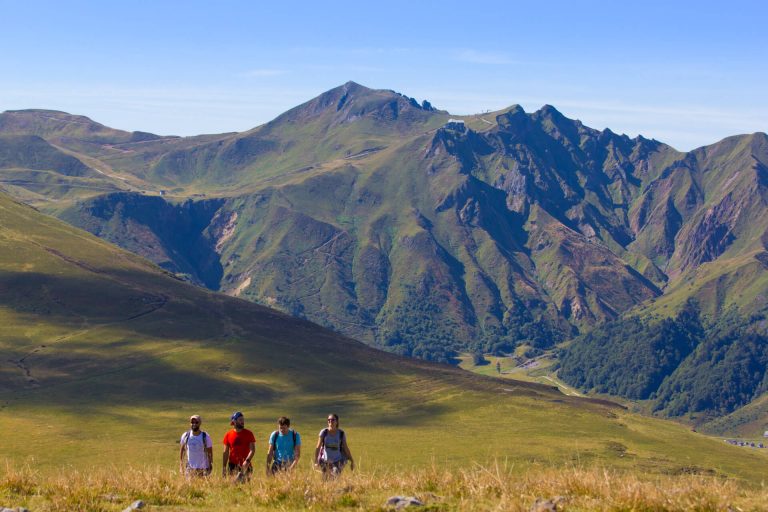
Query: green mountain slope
x=98 y=344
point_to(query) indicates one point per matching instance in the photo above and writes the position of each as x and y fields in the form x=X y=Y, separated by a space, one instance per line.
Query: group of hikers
x=196 y=453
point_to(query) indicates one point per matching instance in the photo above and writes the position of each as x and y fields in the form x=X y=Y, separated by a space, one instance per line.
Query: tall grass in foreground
x=474 y=488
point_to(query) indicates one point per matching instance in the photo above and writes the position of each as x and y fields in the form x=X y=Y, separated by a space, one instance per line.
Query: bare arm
x=270 y=456
x=296 y=455
x=182 y=450
x=347 y=453
x=317 y=449
x=224 y=462
x=251 y=453
x=209 y=456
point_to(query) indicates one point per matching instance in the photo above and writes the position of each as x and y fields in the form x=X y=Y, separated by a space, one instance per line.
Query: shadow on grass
x=149 y=338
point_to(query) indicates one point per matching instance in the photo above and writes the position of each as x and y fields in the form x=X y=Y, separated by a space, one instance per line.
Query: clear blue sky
x=686 y=73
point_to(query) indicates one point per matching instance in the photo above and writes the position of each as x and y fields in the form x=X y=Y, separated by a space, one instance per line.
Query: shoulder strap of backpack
x=341 y=445
x=323 y=433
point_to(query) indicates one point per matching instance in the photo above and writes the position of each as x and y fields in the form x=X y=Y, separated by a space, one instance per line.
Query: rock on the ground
x=136 y=505
x=544 y=505
x=400 y=502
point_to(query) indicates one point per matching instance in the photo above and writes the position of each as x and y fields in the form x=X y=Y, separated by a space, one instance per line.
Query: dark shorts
x=235 y=468
x=333 y=468
x=280 y=466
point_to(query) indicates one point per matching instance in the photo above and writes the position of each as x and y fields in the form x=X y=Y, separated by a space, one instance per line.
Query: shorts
x=332 y=468
x=235 y=468
x=280 y=466
x=190 y=471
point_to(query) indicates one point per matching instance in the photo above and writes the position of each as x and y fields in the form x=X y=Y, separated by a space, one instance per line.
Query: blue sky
x=686 y=73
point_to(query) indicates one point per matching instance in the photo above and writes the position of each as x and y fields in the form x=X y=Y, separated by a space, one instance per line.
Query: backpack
x=324 y=433
x=274 y=435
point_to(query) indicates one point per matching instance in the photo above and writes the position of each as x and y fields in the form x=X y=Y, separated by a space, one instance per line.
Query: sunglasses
x=194 y=422
x=332 y=419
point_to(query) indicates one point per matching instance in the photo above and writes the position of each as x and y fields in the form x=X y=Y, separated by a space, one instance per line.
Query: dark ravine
x=175 y=236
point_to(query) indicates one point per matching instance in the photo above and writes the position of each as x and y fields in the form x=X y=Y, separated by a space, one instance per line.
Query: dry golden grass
x=491 y=488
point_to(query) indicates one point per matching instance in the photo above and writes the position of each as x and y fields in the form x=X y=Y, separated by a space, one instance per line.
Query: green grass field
x=104 y=357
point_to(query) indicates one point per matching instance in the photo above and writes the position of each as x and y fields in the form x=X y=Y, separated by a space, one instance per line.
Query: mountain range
x=413 y=230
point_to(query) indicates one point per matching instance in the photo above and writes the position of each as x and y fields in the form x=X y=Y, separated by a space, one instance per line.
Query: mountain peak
x=349 y=88
x=351 y=101
x=352 y=85
x=549 y=111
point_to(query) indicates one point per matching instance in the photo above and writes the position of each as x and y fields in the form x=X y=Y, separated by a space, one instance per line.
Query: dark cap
x=236 y=415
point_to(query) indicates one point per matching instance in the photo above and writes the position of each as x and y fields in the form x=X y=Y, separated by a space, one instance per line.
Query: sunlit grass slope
x=104 y=356
x=475 y=488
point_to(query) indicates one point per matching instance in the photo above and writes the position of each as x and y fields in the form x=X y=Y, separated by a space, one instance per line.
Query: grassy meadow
x=105 y=356
x=494 y=487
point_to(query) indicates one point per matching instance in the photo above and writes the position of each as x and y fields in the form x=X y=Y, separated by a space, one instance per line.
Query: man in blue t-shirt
x=284 y=447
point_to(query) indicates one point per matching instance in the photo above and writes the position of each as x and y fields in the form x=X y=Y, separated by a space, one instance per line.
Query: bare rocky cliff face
x=371 y=213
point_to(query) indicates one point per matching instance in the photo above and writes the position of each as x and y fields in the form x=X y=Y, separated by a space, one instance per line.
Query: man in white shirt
x=199 y=449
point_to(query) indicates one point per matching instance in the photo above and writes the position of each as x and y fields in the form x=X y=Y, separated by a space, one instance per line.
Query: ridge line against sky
x=687 y=74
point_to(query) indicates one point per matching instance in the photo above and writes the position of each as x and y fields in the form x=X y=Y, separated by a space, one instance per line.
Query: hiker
x=332 y=451
x=284 y=448
x=199 y=449
x=239 y=448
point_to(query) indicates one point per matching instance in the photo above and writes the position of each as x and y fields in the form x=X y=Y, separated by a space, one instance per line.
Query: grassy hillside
x=104 y=356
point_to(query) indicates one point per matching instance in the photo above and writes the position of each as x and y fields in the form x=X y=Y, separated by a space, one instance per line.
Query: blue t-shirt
x=284 y=445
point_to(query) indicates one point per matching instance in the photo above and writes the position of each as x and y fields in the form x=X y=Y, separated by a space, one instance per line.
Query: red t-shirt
x=239 y=444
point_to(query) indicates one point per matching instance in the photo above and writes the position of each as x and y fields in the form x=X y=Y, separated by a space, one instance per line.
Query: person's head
x=283 y=424
x=194 y=422
x=237 y=420
x=333 y=421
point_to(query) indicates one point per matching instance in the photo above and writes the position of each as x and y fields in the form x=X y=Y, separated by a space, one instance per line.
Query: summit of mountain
x=351 y=102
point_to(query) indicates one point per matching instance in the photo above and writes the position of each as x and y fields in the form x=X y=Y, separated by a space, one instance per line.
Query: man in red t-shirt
x=239 y=448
